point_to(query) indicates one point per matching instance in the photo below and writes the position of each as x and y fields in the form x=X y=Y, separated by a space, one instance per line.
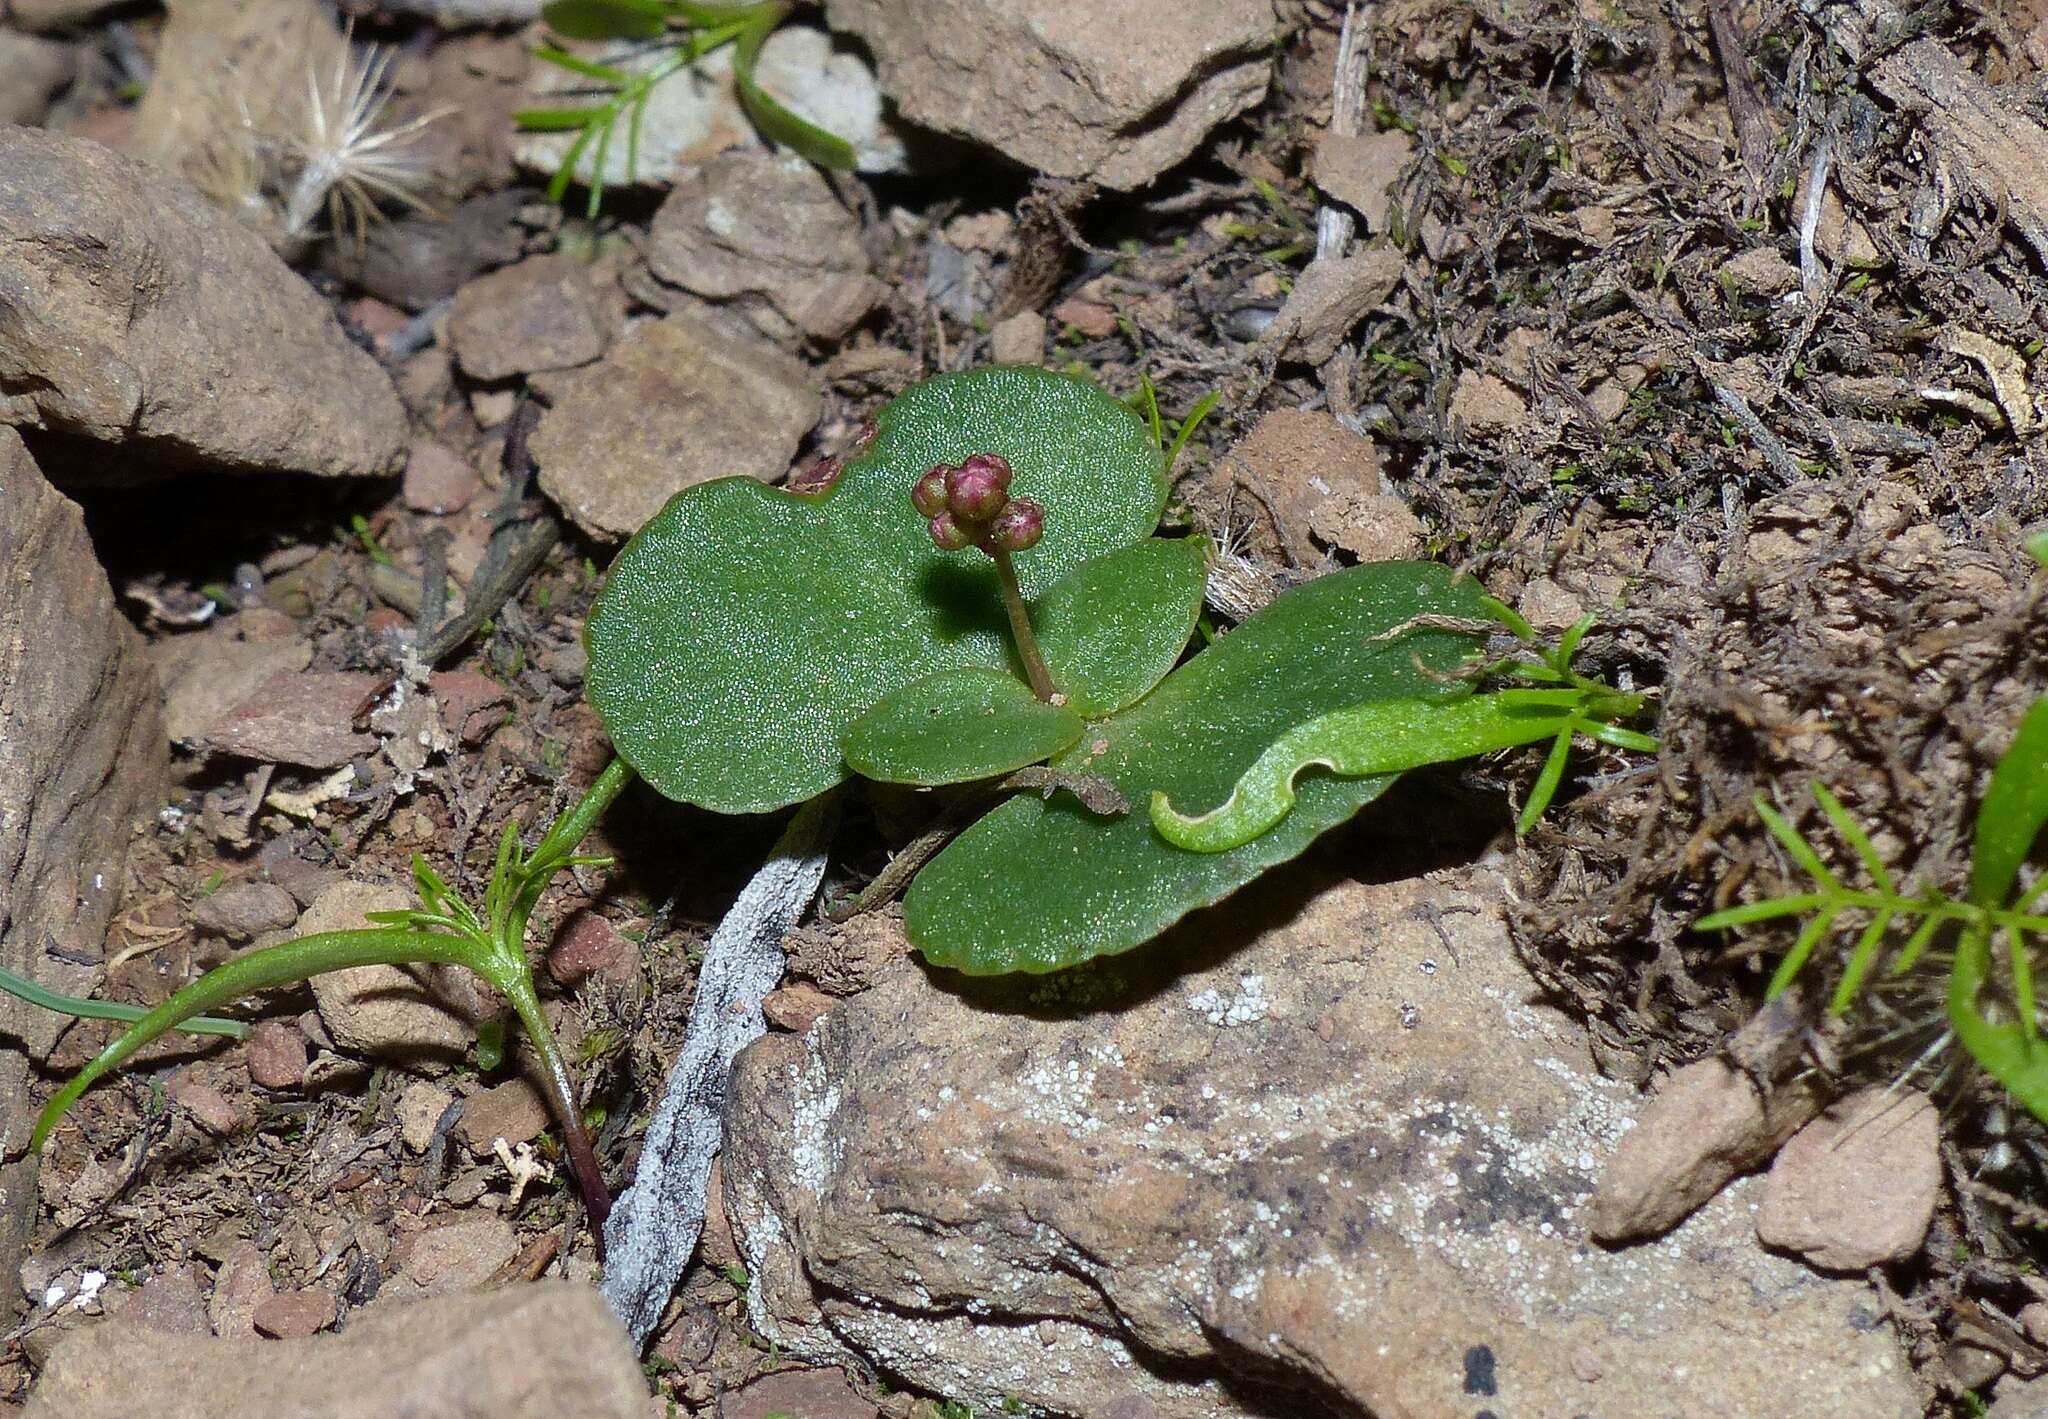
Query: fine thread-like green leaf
x=1795 y=843
x=1860 y=961
x=1853 y=834
x=81 y=1008
x=1547 y=781
x=1749 y=913
x=1795 y=959
x=245 y=975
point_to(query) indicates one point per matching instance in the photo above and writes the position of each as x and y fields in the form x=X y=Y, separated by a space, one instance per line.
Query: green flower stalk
x=969 y=505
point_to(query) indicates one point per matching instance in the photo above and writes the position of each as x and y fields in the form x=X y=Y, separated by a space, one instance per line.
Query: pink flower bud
x=1018 y=526
x=949 y=534
x=929 y=494
x=977 y=489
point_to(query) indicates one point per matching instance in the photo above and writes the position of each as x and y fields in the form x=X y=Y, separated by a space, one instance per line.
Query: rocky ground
x=1719 y=321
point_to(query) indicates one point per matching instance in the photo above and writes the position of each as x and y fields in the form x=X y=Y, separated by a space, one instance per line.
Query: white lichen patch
x=1247 y=1005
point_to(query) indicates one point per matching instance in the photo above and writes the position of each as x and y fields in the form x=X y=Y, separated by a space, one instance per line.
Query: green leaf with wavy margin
x=744 y=628
x=1038 y=885
x=1384 y=737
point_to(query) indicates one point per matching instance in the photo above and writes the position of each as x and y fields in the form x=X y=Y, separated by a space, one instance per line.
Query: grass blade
x=1853 y=834
x=79 y=1007
x=1795 y=959
x=1915 y=944
x=1545 y=787
x=1753 y=912
x=1860 y=961
x=259 y=970
x=1796 y=844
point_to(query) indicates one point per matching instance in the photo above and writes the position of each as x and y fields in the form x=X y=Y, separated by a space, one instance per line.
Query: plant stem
x=1020 y=628
x=568 y=1111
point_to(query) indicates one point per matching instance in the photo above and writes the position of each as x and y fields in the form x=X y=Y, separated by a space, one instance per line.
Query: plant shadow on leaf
x=963 y=598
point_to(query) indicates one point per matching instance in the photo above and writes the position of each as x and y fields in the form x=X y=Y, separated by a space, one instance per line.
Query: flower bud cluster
x=970 y=506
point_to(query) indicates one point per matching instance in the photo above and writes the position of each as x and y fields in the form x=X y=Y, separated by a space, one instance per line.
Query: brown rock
x=1091 y=318
x=246 y=910
x=209 y=1107
x=1856 y=1188
x=1298 y=462
x=1760 y=271
x=420 y=1107
x=277 y=1055
x=1020 y=340
x=541 y=314
x=1172 y=1163
x=55 y=14
x=426 y=257
x=2028 y=1400
x=306 y=718
x=813 y=1394
x=216 y=61
x=472 y=704
x=752 y=224
x=174 y=328
x=459 y=1256
x=239 y=1287
x=1486 y=404
x=675 y=404
x=32 y=70
x=1358 y=169
x=850 y=956
x=588 y=945
x=439 y=480
x=1373 y=527
x=167 y=1303
x=82 y=756
x=209 y=673
x=526 y=1352
x=293 y=1315
x=797 y=1006
x=1104 y=91
x=1330 y=298
x=513 y=1111
x=1705 y=1125
x=402 y=1011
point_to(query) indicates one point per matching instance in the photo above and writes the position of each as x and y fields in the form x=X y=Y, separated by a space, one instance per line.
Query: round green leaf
x=957 y=726
x=744 y=628
x=1115 y=625
x=1041 y=884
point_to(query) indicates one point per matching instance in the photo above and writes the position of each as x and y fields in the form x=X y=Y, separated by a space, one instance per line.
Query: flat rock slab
x=138 y=315
x=1317 y=1148
x=527 y=1352
x=82 y=756
x=1115 y=91
x=673 y=405
x=1857 y=1187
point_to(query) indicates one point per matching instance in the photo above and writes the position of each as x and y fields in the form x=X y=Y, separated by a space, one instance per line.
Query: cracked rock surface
x=1102 y=91
x=1320 y=1147
x=139 y=315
